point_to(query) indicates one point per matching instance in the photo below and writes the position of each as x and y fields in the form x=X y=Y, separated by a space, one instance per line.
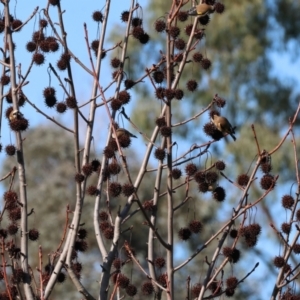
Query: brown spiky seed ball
x=195 y=226
x=184 y=233
x=38 y=36
x=205 y=63
x=147 y=288
x=161 y=121
x=44 y=46
x=169 y=93
x=219 y=7
x=80 y=245
x=174 y=31
x=192 y=85
x=231 y=282
x=61 y=107
x=196 y=288
x=12 y=229
x=87 y=169
x=267 y=182
x=5 y=80
x=200 y=177
x=114 y=168
x=136 y=22
x=232 y=254
x=158 y=76
x=296 y=248
x=188 y=29
x=124 y=97
x=128 y=189
x=96 y=165
x=287 y=201
x=131 y=290
x=10 y=196
x=103 y=215
x=19 y=124
x=176 y=173
x=204 y=20
x=123 y=281
x=114 y=189
x=62 y=64
x=33 y=234
x=71 y=102
x=115 y=104
x=233 y=233
x=10 y=150
x=137 y=32
x=31 y=46
x=179 y=94
x=220 y=102
x=220 y=165
x=61 y=277
x=82 y=233
x=190 y=169
x=124 y=16
x=97 y=16
x=95 y=45
x=266 y=167
x=286 y=228
x=197 y=57
x=182 y=16
x=148 y=205
x=160 y=262
x=160 y=25
x=54 y=2
x=211 y=177
x=163 y=279
x=160 y=154
x=117 y=263
x=279 y=262
x=144 y=38
x=43 y=23
x=219 y=194
x=129 y=83
x=109 y=233
x=53 y=44
x=115 y=62
x=166 y=131
x=203 y=187
x=160 y=93
x=3 y=234
x=199 y=34
x=92 y=190
x=109 y=152
x=179 y=44
x=38 y=58
x=243 y=179
x=79 y=178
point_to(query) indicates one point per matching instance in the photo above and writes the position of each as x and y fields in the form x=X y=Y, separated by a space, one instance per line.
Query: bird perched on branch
x=223 y=125
x=201 y=9
x=15 y=114
x=122 y=132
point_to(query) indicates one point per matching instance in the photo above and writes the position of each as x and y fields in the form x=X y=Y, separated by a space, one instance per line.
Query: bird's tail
x=192 y=11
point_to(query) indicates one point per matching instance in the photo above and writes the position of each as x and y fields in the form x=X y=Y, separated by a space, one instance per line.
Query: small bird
x=14 y=115
x=201 y=9
x=223 y=125
x=122 y=132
